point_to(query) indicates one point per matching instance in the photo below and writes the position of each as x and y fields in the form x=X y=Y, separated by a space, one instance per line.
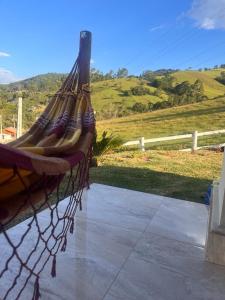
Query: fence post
x=142 y=143
x=194 y=141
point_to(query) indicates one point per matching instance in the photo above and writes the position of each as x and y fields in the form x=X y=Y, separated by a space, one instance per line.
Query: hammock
x=58 y=146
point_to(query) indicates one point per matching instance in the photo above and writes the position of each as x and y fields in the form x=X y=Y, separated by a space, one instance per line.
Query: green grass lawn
x=169 y=173
x=203 y=116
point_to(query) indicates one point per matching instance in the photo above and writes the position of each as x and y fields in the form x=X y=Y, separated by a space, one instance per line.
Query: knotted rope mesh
x=46 y=239
x=68 y=121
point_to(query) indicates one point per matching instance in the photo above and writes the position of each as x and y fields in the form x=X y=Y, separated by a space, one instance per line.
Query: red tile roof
x=10 y=130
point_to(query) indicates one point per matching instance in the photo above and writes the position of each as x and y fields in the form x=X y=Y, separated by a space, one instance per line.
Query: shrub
x=221 y=78
x=106 y=143
x=140 y=90
x=139 y=107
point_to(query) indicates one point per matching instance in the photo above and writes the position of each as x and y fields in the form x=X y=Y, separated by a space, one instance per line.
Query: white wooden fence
x=142 y=141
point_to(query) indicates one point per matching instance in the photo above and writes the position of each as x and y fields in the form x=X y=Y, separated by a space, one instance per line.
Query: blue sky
x=40 y=36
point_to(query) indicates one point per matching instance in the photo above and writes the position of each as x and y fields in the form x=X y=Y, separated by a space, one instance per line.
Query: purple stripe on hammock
x=11 y=157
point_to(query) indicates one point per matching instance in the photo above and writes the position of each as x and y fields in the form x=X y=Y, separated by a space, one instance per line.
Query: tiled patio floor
x=135 y=246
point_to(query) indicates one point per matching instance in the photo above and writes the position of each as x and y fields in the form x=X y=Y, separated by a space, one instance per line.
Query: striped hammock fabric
x=58 y=146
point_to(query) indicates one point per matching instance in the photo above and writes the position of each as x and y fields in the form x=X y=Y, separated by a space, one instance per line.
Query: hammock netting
x=48 y=163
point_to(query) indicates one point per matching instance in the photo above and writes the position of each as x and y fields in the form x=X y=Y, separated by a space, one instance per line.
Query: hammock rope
x=53 y=156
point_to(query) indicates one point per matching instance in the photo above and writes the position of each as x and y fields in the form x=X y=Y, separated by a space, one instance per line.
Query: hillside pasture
x=109 y=92
x=202 y=116
x=212 y=88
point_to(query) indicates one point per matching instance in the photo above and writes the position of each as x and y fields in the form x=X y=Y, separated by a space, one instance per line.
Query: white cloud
x=92 y=61
x=7 y=76
x=208 y=14
x=156 y=28
x=4 y=54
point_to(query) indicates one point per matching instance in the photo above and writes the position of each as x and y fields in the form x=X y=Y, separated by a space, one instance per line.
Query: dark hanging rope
x=52 y=237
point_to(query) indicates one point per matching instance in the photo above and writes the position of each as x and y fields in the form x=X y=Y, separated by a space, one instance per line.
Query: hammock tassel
x=72 y=226
x=62 y=135
x=63 y=249
x=53 y=272
x=36 y=295
x=80 y=204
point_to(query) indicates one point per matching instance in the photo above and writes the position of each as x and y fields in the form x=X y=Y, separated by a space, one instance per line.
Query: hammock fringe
x=50 y=162
x=37 y=294
x=53 y=272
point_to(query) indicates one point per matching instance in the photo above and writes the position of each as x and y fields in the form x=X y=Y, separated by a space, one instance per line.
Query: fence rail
x=194 y=136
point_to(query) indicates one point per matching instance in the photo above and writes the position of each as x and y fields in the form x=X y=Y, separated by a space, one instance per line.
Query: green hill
x=114 y=98
x=115 y=93
x=40 y=83
x=213 y=73
x=212 y=88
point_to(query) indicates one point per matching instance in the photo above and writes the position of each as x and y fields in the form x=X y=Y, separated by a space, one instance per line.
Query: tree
x=140 y=90
x=139 y=107
x=148 y=75
x=164 y=83
x=198 y=86
x=109 y=75
x=198 y=91
x=121 y=73
x=221 y=78
x=96 y=75
x=182 y=88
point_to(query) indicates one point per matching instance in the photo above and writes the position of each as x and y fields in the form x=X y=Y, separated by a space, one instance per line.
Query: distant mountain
x=40 y=83
x=116 y=97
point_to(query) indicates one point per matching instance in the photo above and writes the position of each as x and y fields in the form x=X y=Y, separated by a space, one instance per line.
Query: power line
x=140 y=53
x=203 y=52
x=189 y=34
x=166 y=50
x=204 y=61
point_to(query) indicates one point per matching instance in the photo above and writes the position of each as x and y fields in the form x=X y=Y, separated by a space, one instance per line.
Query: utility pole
x=1 y=126
x=14 y=121
x=19 y=118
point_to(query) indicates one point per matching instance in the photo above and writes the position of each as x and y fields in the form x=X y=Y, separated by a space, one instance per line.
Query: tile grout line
x=128 y=256
x=108 y=224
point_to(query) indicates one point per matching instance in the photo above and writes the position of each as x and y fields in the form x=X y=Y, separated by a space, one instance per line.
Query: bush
x=106 y=143
x=139 y=107
x=140 y=90
x=127 y=93
x=221 y=78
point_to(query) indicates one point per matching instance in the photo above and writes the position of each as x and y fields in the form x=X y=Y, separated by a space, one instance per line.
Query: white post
x=19 y=118
x=194 y=141
x=142 y=143
x=1 y=126
x=215 y=245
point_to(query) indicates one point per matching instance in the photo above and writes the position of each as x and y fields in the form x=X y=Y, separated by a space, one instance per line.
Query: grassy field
x=169 y=173
x=213 y=73
x=108 y=92
x=212 y=88
x=204 y=116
